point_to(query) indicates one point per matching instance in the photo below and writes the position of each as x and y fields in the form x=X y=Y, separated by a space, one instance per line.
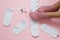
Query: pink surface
x=15 y=5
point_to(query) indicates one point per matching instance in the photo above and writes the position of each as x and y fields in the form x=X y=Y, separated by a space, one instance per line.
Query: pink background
x=16 y=5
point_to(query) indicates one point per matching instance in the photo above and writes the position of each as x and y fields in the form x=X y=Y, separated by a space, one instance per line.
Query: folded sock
x=19 y=28
x=34 y=28
x=7 y=17
x=49 y=30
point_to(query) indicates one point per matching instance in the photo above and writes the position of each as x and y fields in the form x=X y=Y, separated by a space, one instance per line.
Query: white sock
x=49 y=30
x=8 y=16
x=19 y=28
x=34 y=5
x=34 y=29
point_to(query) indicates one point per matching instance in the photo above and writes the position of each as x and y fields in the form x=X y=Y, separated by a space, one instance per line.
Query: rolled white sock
x=34 y=5
x=49 y=30
x=34 y=29
x=19 y=28
x=8 y=17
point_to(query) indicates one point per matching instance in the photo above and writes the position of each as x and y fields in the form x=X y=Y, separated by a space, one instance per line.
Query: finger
x=38 y=15
x=47 y=9
x=53 y=14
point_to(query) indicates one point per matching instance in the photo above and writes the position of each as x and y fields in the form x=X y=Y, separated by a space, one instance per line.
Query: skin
x=56 y=5
x=47 y=12
x=54 y=14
